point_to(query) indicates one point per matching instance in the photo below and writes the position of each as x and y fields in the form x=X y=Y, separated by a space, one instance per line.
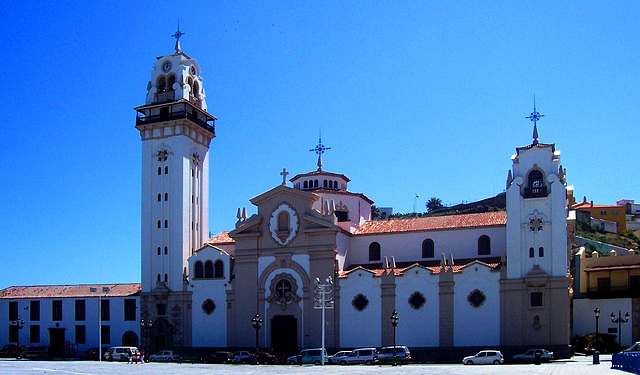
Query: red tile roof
x=486 y=219
x=69 y=291
x=220 y=239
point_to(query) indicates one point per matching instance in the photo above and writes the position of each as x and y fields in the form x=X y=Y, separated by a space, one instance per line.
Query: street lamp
x=619 y=320
x=19 y=324
x=394 y=323
x=323 y=299
x=105 y=290
x=145 y=325
x=596 y=313
x=256 y=322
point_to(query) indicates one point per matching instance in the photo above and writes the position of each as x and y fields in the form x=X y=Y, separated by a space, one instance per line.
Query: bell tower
x=534 y=288
x=176 y=131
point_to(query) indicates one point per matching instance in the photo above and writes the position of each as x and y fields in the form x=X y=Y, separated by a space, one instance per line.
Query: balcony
x=147 y=120
x=614 y=292
x=535 y=192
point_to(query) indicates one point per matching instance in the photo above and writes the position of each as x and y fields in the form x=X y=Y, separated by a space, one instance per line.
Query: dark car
x=11 y=351
x=37 y=352
x=218 y=357
x=92 y=354
x=266 y=358
x=281 y=357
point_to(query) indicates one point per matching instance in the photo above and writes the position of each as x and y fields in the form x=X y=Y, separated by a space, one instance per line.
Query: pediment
x=280 y=193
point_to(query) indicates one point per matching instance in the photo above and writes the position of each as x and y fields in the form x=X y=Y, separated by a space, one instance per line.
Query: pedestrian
x=142 y=357
x=129 y=356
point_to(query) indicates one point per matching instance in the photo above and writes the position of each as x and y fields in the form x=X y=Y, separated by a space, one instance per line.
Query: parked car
x=309 y=356
x=120 y=353
x=266 y=358
x=11 y=351
x=91 y=354
x=281 y=357
x=335 y=359
x=218 y=357
x=359 y=356
x=530 y=355
x=385 y=355
x=241 y=356
x=484 y=357
x=37 y=352
x=633 y=348
x=165 y=356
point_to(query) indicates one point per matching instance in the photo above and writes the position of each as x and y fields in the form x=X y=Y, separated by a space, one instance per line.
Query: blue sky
x=426 y=97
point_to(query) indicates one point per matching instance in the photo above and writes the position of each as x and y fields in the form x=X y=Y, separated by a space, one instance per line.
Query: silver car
x=484 y=357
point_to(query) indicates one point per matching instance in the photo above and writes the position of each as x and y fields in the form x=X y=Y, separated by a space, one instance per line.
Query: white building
x=68 y=317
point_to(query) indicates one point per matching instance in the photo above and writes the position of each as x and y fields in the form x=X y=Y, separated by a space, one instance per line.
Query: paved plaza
x=575 y=366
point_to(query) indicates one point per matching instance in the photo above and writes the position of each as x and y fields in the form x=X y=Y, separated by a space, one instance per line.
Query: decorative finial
x=284 y=175
x=320 y=149
x=535 y=116
x=177 y=35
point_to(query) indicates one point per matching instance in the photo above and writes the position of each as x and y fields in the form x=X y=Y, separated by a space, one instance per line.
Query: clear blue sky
x=426 y=97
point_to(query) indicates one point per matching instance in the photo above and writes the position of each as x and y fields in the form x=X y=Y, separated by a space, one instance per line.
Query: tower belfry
x=176 y=131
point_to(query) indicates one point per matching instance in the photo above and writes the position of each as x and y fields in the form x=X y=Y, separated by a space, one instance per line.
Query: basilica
x=485 y=280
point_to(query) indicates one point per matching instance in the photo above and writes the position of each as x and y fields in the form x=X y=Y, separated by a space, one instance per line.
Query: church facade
x=486 y=280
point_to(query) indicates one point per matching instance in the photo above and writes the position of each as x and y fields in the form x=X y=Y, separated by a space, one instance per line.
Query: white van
x=120 y=353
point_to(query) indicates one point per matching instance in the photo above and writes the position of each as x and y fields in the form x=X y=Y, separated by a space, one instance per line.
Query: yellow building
x=615 y=214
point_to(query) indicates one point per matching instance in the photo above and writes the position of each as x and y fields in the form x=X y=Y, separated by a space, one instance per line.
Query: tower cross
x=320 y=149
x=284 y=175
x=177 y=35
x=535 y=116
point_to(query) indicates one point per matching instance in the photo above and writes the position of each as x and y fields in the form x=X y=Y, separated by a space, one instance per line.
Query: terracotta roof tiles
x=69 y=291
x=497 y=218
x=220 y=239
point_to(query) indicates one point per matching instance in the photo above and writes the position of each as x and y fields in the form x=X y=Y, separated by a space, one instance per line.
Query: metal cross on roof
x=535 y=116
x=320 y=149
x=177 y=35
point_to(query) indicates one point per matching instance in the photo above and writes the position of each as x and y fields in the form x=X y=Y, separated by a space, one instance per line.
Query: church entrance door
x=56 y=339
x=284 y=333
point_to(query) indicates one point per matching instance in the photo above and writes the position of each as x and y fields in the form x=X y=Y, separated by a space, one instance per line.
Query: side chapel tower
x=535 y=295
x=176 y=131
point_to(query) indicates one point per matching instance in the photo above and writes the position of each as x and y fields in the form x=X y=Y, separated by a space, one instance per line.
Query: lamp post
x=394 y=323
x=105 y=290
x=596 y=313
x=145 y=325
x=19 y=324
x=256 y=322
x=323 y=299
x=619 y=320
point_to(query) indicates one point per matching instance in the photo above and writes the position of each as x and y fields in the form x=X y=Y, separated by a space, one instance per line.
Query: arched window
x=158 y=277
x=484 y=245
x=283 y=221
x=428 y=248
x=166 y=170
x=166 y=223
x=535 y=185
x=306 y=185
x=315 y=183
x=159 y=171
x=531 y=252
x=170 y=81
x=541 y=252
x=324 y=184
x=190 y=82
x=374 y=251
x=208 y=269
x=335 y=184
x=196 y=90
x=159 y=224
x=161 y=85
x=166 y=196
x=166 y=278
x=198 y=272
x=158 y=250
x=159 y=195
x=165 y=250
x=330 y=184
x=218 y=269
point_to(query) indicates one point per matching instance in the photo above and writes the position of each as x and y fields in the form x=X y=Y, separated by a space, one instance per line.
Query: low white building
x=68 y=317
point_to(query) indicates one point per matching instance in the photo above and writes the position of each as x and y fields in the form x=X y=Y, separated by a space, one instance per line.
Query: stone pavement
x=574 y=366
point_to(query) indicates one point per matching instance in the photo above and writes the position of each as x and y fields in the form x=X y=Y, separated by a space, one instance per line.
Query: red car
x=266 y=359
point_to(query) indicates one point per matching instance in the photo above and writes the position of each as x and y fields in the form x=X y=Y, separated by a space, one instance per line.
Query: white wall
x=477 y=326
x=584 y=321
x=418 y=328
x=360 y=328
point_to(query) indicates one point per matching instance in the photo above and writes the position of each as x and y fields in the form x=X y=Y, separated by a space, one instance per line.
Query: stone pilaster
x=446 y=285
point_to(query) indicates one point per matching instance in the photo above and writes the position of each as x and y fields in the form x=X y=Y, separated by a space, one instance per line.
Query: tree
x=434 y=204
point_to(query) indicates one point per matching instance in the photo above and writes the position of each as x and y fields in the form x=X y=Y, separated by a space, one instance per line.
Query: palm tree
x=434 y=204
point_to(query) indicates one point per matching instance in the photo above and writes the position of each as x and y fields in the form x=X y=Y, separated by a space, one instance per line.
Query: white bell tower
x=176 y=131
x=534 y=288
